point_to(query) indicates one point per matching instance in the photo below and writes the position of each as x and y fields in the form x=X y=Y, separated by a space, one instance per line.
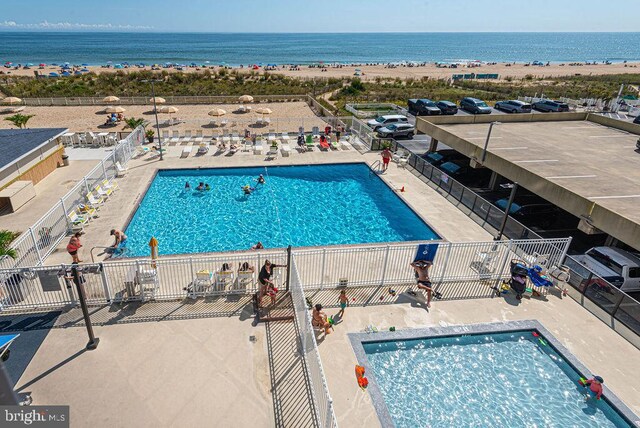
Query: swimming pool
x=309 y=205
x=504 y=379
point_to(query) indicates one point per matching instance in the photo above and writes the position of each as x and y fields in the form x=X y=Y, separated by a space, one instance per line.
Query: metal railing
x=199 y=99
x=323 y=404
x=198 y=275
x=40 y=240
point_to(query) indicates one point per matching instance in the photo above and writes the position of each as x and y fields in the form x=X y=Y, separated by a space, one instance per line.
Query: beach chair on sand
x=175 y=138
x=165 y=136
x=186 y=151
x=199 y=137
x=258 y=148
x=187 y=137
x=315 y=132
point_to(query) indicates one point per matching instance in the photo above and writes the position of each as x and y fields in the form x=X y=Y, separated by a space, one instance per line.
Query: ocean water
x=495 y=380
x=97 y=48
x=298 y=206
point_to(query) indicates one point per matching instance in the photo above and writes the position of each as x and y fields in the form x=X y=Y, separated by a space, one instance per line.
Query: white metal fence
x=200 y=99
x=41 y=239
x=323 y=404
x=26 y=288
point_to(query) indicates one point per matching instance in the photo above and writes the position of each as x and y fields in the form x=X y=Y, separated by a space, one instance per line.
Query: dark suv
x=548 y=106
x=475 y=106
x=447 y=107
x=442 y=156
x=531 y=210
x=423 y=107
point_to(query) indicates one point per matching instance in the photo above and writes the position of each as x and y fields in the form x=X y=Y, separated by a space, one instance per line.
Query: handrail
x=93 y=248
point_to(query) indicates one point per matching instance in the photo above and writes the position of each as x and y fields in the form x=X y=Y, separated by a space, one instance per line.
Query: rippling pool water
x=298 y=205
x=495 y=380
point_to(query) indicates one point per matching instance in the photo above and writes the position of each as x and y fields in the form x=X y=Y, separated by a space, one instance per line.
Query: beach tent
x=54 y=74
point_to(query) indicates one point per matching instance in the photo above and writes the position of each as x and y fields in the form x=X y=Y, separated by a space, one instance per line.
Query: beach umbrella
x=217 y=112
x=169 y=110
x=245 y=99
x=11 y=100
x=54 y=74
x=29 y=64
x=264 y=110
x=159 y=100
x=153 y=247
x=116 y=109
x=111 y=99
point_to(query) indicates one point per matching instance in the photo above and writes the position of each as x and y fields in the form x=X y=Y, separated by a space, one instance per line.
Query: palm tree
x=19 y=120
x=6 y=237
x=133 y=123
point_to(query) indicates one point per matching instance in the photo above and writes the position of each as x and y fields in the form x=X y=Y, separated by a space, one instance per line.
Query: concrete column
x=494 y=180
x=433 y=145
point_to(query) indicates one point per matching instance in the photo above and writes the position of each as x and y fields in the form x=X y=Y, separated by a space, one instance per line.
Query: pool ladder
x=376 y=168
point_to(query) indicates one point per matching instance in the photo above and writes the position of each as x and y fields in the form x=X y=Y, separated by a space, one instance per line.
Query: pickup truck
x=618 y=267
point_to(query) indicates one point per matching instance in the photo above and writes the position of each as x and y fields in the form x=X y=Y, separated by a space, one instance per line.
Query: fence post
x=446 y=263
x=105 y=283
x=104 y=170
x=504 y=263
x=35 y=245
x=384 y=266
x=193 y=274
x=324 y=256
x=288 y=266
x=564 y=251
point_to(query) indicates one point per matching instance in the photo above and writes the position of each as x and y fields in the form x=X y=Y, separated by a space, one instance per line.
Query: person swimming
x=247 y=189
x=207 y=187
x=200 y=187
x=187 y=186
x=260 y=179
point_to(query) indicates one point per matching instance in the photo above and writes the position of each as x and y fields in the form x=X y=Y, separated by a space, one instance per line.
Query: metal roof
x=18 y=143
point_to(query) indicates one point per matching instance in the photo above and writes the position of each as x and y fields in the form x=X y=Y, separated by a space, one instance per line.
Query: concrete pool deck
x=442 y=216
x=601 y=349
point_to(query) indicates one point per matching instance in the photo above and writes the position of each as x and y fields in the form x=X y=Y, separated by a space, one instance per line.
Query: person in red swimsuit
x=386 y=157
x=595 y=386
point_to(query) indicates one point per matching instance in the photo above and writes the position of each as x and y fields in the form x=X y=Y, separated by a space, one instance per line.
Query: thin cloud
x=46 y=25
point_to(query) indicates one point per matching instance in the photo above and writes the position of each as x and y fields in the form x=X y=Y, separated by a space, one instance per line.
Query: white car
x=386 y=120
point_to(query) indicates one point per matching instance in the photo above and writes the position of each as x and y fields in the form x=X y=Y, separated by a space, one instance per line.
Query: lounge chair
x=309 y=143
x=94 y=201
x=175 y=138
x=224 y=122
x=284 y=137
x=235 y=138
x=286 y=149
x=203 y=148
x=345 y=145
x=334 y=145
x=273 y=151
x=224 y=278
x=199 y=138
x=187 y=137
x=202 y=284
x=110 y=185
x=271 y=136
x=102 y=192
x=165 y=136
x=315 y=132
x=324 y=145
x=258 y=148
x=76 y=221
x=186 y=151
x=120 y=170
x=141 y=151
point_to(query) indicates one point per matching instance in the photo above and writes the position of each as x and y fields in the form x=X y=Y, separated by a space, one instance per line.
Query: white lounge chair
x=285 y=137
x=105 y=193
x=175 y=138
x=199 y=138
x=77 y=221
x=271 y=136
x=224 y=278
x=235 y=138
x=187 y=137
x=202 y=284
x=93 y=200
x=141 y=151
x=120 y=170
x=186 y=151
x=286 y=149
x=273 y=151
x=345 y=145
x=258 y=148
x=110 y=185
x=165 y=136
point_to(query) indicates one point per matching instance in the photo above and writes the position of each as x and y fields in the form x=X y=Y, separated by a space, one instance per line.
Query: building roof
x=17 y=143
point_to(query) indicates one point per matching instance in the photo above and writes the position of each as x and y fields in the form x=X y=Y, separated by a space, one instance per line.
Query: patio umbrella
x=264 y=110
x=11 y=100
x=116 y=109
x=153 y=247
x=245 y=99
x=217 y=112
x=111 y=99
x=159 y=100
x=168 y=110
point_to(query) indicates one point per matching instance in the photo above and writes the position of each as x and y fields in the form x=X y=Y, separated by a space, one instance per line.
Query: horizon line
x=152 y=31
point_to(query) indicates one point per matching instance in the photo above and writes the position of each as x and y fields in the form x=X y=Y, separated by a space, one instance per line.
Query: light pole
x=514 y=189
x=486 y=143
x=155 y=112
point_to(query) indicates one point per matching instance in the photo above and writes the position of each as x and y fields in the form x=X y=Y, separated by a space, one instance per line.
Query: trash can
x=65 y=160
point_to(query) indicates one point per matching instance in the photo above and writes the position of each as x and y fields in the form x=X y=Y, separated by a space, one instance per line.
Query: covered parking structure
x=584 y=163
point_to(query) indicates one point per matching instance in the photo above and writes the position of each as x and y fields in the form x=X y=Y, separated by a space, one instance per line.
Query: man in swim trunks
x=267 y=286
x=320 y=319
x=119 y=236
x=424 y=283
x=386 y=157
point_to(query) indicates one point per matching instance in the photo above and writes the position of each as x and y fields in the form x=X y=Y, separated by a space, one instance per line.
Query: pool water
x=495 y=380
x=298 y=205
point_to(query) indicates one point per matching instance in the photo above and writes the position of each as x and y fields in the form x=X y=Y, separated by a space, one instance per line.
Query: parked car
x=461 y=171
x=386 y=120
x=549 y=105
x=422 y=107
x=442 y=156
x=531 y=214
x=397 y=130
x=475 y=106
x=447 y=107
x=616 y=266
x=637 y=120
x=513 y=106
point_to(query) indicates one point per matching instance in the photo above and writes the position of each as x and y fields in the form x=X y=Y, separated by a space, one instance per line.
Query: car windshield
x=450 y=167
x=502 y=204
x=434 y=156
x=392 y=127
x=482 y=104
x=430 y=104
x=380 y=119
x=605 y=260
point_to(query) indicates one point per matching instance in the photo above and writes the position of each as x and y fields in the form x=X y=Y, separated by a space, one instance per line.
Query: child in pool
x=344 y=302
x=595 y=386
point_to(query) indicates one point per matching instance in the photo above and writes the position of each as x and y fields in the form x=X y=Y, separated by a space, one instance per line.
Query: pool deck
x=591 y=341
x=449 y=222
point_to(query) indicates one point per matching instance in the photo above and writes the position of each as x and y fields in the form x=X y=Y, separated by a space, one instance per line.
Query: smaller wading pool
x=513 y=374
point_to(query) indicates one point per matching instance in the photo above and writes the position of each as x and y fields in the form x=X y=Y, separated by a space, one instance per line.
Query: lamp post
x=486 y=143
x=155 y=112
x=514 y=189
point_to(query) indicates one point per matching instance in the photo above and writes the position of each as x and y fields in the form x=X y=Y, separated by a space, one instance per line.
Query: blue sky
x=334 y=16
